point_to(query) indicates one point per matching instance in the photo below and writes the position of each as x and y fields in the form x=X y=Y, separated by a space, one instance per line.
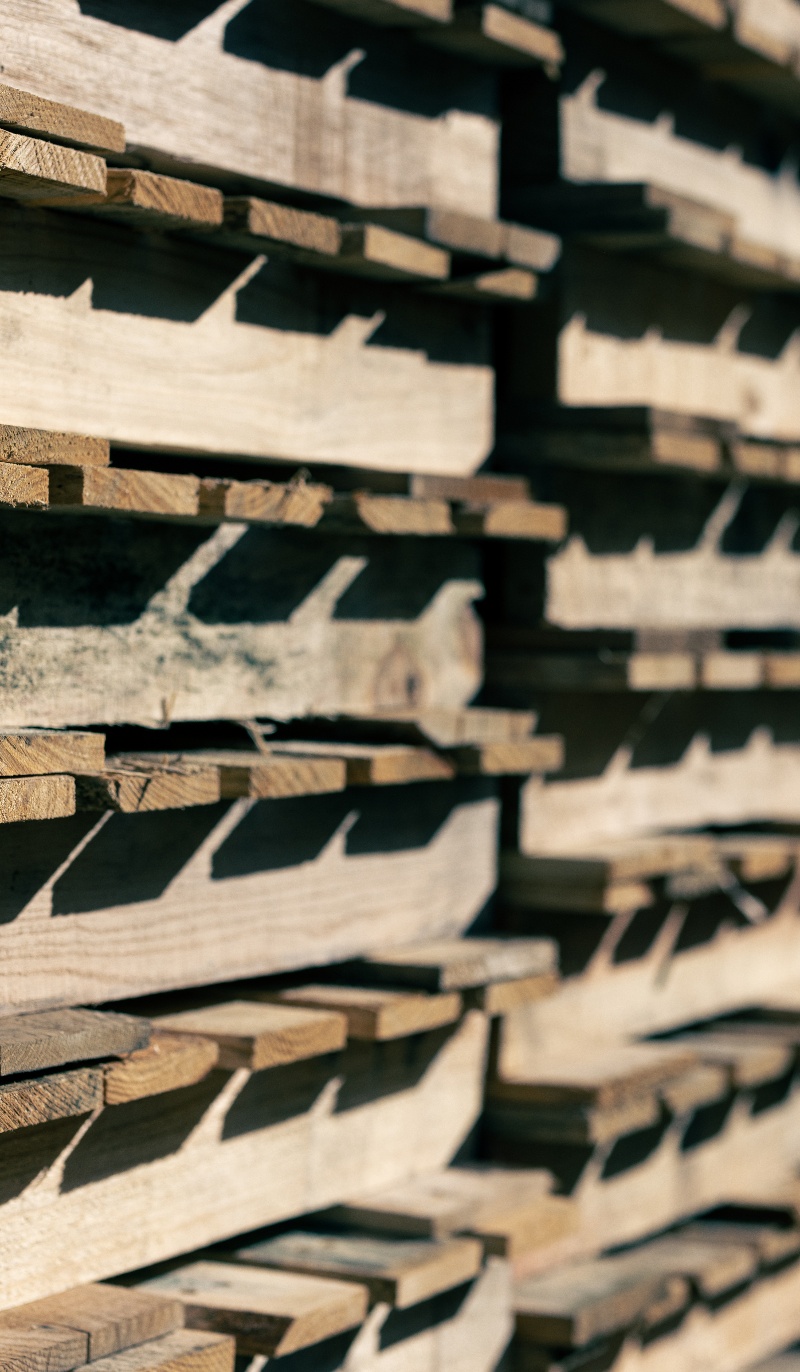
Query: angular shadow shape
x=126 y=1136
x=30 y=853
x=398 y=819
x=86 y=571
x=170 y=21
x=403 y=576
x=415 y=1319
x=264 y=577
x=28 y=1152
x=633 y=1149
x=133 y=858
x=706 y=1123
x=279 y=1094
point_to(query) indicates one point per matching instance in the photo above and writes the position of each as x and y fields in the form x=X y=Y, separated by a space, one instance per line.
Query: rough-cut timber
x=109 y=1318
x=232 y=1154
x=33 y=170
x=156 y=901
x=168 y=1063
x=234 y=77
x=375 y=1014
x=255 y=1035
x=25 y=112
x=30 y=1043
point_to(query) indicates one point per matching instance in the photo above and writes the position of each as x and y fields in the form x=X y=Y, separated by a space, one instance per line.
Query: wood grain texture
x=40 y=751
x=449 y=964
x=61 y=1096
x=328 y=135
x=57 y=1349
x=45 y=797
x=606 y=1076
x=112 y=1318
x=281 y=226
x=257 y=1035
x=372 y=250
x=178 y=373
x=438 y=1204
x=578 y=1303
x=146 y=200
x=520 y=758
x=50 y=1038
x=168 y=1063
x=503 y=286
x=135 y=492
x=39 y=447
x=21 y=485
x=268 y=1312
x=377 y=764
x=33 y=170
x=401 y=1272
x=25 y=112
x=132 y=783
x=377 y=1014
x=230 y=892
x=184 y=1350
x=512 y=519
x=268 y=775
x=300 y=503
x=221 y=1161
x=389 y=514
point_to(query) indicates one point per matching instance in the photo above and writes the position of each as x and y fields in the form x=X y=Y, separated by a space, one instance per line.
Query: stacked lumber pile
x=399 y=659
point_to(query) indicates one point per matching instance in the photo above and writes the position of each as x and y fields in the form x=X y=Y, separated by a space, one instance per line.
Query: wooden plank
x=270 y=775
x=542 y=754
x=169 y=1062
x=24 y=112
x=372 y=250
x=602 y=1077
x=503 y=286
x=583 y=1125
x=328 y=137
x=135 y=492
x=378 y=764
x=452 y=964
x=494 y=33
x=488 y=488
x=50 y=1038
x=771 y=1242
x=40 y=797
x=183 y=1351
x=132 y=784
x=363 y=512
x=512 y=519
x=250 y=221
x=401 y=1272
x=575 y=1304
x=300 y=502
x=701 y=1086
x=39 y=447
x=33 y=170
x=147 y=200
x=749 y=1060
x=287 y=1148
x=256 y=1035
x=23 y=485
x=239 y=890
x=268 y=1312
x=714 y=1267
x=36 y=752
x=111 y=1318
x=439 y=1204
x=501 y=997
x=375 y=1014
x=64 y=1095
x=42 y=1350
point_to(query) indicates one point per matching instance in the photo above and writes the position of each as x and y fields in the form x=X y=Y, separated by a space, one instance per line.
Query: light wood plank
x=147 y=200
x=270 y=775
x=38 y=751
x=451 y=964
x=376 y=1014
x=25 y=112
x=512 y=519
x=169 y=1062
x=268 y=1312
x=133 y=783
x=503 y=286
x=446 y=1202
x=50 y=1038
x=401 y=1272
x=400 y=13
x=63 y=1095
x=372 y=250
x=578 y=1303
x=39 y=797
x=494 y=33
x=388 y=514
x=112 y=1318
x=256 y=1035
x=379 y=764
x=300 y=503
x=21 y=485
x=39 y=447
x=33 y=170
x=251 y=222
x=134 y=492
x=604 y=1077
x=183 y=1351
x=520 y=758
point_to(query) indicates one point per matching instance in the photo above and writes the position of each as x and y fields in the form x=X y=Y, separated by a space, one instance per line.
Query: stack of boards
x=399 y=667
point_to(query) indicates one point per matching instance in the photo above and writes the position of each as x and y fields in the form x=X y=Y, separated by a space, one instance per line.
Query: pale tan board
x=133 y=492
x=771 y=1242
x=400 y=13
x=39 y=447
x=575 y=1304
x=268 y=1312
x=511 y=519
x=521 y=758
x=493 y=33
x=453 y=964
x=63 y=1095
x=281 y=227
x=511 y=1212
x=147 y=200
x=485 y=489
x=376 y=1014
x=401 y=1272
x=300 y=502
x=110 y=1318
x=42 y=1349
x=363 y=512
x=269 y=775
x=501 y=997
x=36 y=752
x=257 y=1035
x=132 y=783
x=49 y=1038
x=36 y=797
x=502 y=286
x=33 y=170
x=168 y=1063
x=372 y=250
x=604 y=1076
x=699 y=1086
x=713 y=1266
x=21 y=485
x=185 y=1350
x=375 y=764
x=25 y=112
